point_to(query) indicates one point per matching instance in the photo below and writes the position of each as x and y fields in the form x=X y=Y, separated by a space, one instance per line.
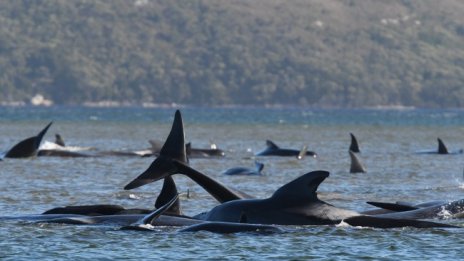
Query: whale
x=58 y=148
x=167 y=192
x=356 y=165
x=110 y=220
x=62 y=153
x=149 y=223
x=203 y=153
x=27 y=147
x=191 y=152
x=172 y=160
x=273 y=150
x=354 y=146
x=438 y=209
x=296 y=203
x=442 y=150
x=446 y=210
x=245 y=171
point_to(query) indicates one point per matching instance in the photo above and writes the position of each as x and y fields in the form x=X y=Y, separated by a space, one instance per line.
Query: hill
x=326 y=53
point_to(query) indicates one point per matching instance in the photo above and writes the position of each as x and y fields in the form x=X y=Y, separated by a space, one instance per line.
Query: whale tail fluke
x=354 y=147
x=162 y=166
x=27 y=147
x=356 y=165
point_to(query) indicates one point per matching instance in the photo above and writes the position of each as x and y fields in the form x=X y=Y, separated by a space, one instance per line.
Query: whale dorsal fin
x=173 y=149
x=168 y=191
x=301 y=189
x=441 y=147
x=271 y=144
x=354 y=147
x=27 y=147
x=59 y=140
x=356 y=165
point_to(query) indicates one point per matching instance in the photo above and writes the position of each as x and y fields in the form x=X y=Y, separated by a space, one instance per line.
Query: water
x=388 y=140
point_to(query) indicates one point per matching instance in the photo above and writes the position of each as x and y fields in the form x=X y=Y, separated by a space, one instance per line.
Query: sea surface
x=388 y=141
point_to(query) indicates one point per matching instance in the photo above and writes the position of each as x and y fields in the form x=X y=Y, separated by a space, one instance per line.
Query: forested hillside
x=326 y=53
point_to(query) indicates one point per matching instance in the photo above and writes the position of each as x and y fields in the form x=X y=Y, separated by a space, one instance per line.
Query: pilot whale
x=442 y=150
x=296 y=203
x=59 y=149
x=273 y=150
x=245 y=171
x=191 y=152
x=149 y=222
x=168 y=191
x=427 y=210
x=27 y=147
x=203 y=153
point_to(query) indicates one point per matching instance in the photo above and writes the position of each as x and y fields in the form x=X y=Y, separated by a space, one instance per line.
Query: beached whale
x=442 y=150
x=273 y=150
x=245 y=171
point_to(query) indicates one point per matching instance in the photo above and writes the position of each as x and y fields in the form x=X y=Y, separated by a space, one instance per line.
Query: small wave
x=343 y=224
x=133 y=196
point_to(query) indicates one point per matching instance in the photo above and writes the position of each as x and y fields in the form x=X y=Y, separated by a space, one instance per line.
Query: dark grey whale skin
x=27 y=147
x=273 y=150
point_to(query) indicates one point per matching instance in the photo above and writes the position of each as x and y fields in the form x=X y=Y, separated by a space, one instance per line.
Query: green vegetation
x=328 y=53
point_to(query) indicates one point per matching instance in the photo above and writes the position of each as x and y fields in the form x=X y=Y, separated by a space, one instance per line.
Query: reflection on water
x=388 y=140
